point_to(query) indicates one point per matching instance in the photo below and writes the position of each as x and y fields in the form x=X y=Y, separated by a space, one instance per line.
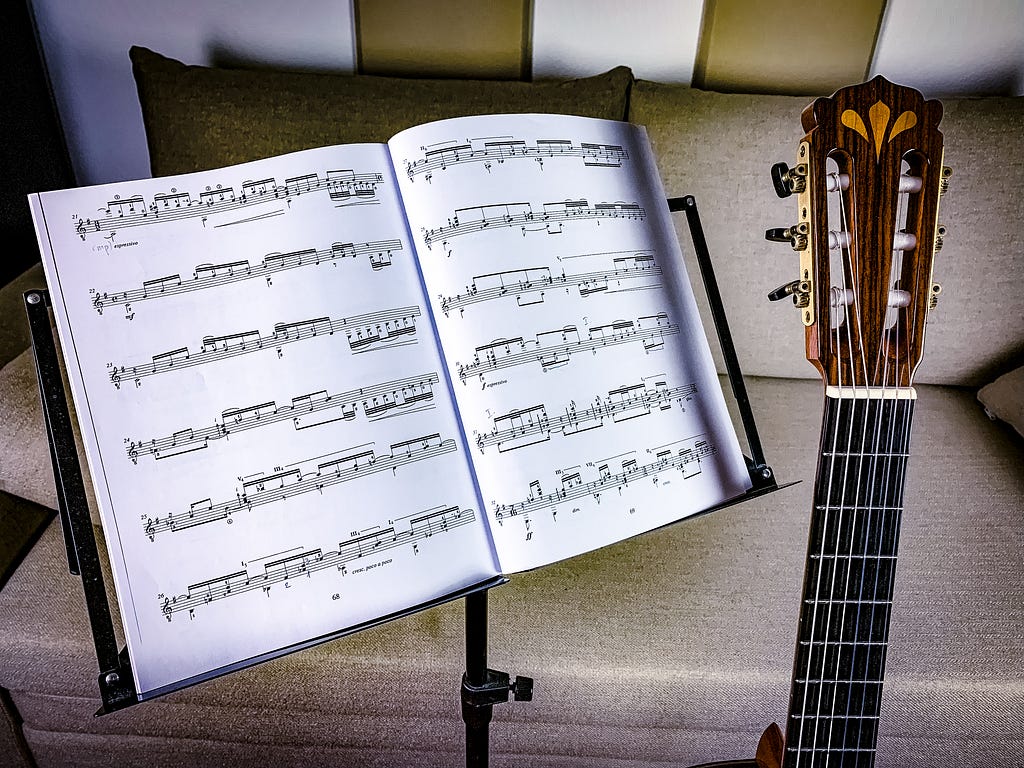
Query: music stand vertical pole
x=477 y=718
x=482 y=688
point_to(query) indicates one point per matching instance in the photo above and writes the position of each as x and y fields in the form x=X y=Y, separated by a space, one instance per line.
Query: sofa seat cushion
x=719 y=148
x=199 y=118
x=673 y=647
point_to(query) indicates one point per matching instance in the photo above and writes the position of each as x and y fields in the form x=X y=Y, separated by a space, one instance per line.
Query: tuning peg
x=788 y=180
x=795 y=235
x=940 y=236
x=933 y=300
x=800 y=290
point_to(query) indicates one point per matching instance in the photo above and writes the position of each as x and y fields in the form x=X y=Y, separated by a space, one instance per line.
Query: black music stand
x=482 y=687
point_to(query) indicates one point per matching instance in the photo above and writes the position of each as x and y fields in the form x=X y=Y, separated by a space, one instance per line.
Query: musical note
x=344 y=186
x=374 y=330
x=284 y=484
x=523 y=427
x=379 y=255
x=423 y=526
x=572 y=486
x=376 y=401
x=531 y=285
x=490 y=152
x=553 y=349
x=482 y=217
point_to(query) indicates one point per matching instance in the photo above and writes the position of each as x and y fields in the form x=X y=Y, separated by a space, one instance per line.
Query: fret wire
x=836 y=717
x=856 y=601
x=860 y=643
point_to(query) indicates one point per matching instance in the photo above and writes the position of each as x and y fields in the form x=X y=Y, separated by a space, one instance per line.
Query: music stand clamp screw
x=496 y=689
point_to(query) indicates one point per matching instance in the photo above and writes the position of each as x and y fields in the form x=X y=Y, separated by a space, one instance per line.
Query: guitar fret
x=850 y=556
x=805 y=680
x=830 y=749
x=886 y=454
x=854 y=601
x=835 y=717
x=852 y=643
x=856 y=508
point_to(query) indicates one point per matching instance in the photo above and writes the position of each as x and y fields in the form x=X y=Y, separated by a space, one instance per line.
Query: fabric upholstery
x=671 y=647
x=26 y=470
x=199 y=118
x=14 y=334
x=720 y=147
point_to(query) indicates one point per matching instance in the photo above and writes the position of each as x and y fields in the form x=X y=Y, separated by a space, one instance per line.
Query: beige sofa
x=670 y=649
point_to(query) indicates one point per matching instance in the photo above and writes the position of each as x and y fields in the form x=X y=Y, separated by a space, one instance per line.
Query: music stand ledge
x=482 y=688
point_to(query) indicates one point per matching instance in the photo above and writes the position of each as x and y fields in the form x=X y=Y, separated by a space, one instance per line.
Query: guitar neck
x=848 y=581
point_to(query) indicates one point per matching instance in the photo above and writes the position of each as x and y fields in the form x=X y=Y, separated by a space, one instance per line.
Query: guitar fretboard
x=848 y=583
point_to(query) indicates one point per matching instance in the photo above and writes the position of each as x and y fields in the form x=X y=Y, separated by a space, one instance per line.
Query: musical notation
x=421 y=527
x=256 y=491
x=523 y=427
x=529 y=285
x=489 y=152
x=375 y=330
x=685 y=459
x=343 y=187
x=554 y=349
x=377 y=401
x=550 y=220
x=379 y=255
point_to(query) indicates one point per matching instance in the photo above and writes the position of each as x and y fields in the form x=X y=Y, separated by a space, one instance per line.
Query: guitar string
x=892 y=487
x=881 y=361
x=821 y=560
x=825 y=519
x=845 y=327
x=846 y=524
x=898 y=486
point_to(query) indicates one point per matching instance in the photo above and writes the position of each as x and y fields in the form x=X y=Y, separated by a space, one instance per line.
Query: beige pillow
x=1004 y=399
x=198 y=118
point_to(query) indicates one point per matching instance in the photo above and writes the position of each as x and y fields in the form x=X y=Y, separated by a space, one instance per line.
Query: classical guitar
x=867 y=181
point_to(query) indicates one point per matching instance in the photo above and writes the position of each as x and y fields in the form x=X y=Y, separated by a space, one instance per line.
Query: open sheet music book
x=319 y=389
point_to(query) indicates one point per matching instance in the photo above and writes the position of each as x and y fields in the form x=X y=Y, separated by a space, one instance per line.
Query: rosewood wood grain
x=869 y=130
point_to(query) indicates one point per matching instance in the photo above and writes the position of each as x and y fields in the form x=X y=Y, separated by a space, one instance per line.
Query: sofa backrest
x=719 y=148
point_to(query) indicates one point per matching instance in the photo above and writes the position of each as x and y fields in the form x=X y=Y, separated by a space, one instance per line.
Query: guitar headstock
x=868 y=178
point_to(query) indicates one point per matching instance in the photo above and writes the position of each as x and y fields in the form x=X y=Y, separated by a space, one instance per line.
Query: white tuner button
x=904 y=241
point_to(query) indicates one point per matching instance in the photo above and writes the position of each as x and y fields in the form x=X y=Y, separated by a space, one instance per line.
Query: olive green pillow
x=198 y=118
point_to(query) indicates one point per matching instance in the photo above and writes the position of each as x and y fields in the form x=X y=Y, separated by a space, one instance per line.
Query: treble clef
x=167 y=609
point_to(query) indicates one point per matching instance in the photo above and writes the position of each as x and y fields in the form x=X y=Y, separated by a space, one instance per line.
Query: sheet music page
x=271 y=438
x=581 y=371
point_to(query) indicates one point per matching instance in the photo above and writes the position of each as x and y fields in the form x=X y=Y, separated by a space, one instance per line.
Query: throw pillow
x=198 y=118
